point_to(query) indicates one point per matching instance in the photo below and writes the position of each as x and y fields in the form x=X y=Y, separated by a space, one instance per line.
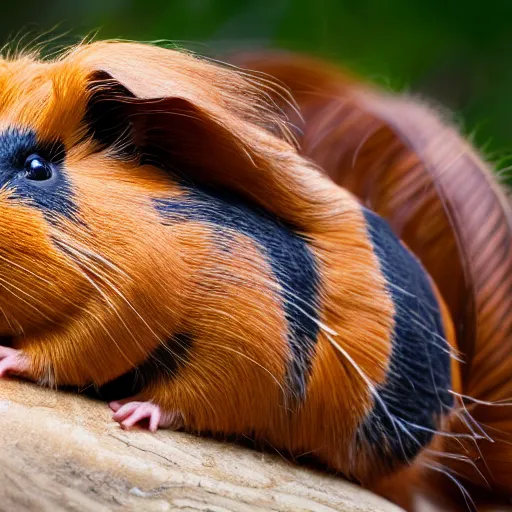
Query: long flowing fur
x=128 y=271
x=403 y=159
x=128 y=282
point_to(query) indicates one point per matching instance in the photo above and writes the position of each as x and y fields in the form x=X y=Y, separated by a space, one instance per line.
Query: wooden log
x=60 y=452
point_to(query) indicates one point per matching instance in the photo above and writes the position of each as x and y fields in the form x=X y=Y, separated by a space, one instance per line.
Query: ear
x=204 y=122
x=170 y=132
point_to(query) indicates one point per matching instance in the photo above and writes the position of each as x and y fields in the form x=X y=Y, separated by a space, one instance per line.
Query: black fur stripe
x=416 y=391
x=163 y=363
x=289 y=256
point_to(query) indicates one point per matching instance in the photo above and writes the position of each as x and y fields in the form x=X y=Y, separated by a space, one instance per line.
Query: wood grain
x=61 y=452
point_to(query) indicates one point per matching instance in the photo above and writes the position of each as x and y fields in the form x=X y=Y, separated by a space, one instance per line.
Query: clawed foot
x=13 y=362
x=128 y=414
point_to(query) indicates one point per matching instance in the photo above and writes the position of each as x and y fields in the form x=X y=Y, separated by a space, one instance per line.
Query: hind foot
x=129 y=413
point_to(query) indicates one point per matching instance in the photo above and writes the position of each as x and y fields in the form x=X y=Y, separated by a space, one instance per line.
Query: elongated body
x=165 y=244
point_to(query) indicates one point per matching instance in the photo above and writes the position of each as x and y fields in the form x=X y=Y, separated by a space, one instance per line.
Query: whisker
x=439 y=468
x=7 y=286
x=498 y=403
x=373 y=390
x=116 y=312
x=91 y=268
x=17 y=265
x=461 y=458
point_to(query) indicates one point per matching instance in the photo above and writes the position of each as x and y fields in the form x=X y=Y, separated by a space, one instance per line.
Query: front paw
x=128 y=414
x=13 y=362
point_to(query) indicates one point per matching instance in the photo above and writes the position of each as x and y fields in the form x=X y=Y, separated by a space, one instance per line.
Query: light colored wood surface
x=60 y=452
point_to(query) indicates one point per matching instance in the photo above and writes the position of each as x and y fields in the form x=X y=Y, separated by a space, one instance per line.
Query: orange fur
x=121 y=282
x=403 y=160
x=88 y=299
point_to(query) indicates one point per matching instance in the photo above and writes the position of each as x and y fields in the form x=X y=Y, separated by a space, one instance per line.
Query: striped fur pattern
x=402 y=159
x=163 y=240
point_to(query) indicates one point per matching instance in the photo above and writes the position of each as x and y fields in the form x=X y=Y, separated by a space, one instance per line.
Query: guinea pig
x=165 y=243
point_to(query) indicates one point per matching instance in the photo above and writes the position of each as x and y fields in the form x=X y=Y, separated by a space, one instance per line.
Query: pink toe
x=6 y=351
x=115 y=406
x=14 y=363
x=154 y=420
x=141 y=413
x=126 y=410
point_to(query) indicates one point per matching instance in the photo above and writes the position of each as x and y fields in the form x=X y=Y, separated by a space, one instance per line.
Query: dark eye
x=37 y=168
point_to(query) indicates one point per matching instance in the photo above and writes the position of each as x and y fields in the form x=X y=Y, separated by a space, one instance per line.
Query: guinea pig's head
x=87 y=141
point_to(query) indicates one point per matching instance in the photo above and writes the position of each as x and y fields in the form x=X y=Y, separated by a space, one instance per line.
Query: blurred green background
x=458 y=53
